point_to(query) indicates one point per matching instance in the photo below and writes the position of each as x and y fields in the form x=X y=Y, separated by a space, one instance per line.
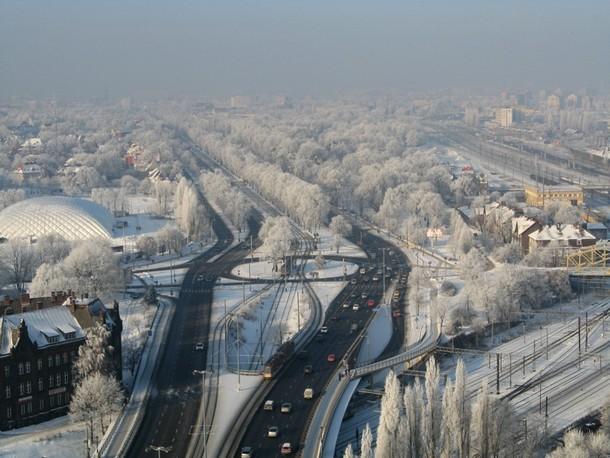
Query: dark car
x=308 y=369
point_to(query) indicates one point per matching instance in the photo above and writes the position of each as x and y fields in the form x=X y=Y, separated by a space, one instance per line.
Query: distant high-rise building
x=472 y=116
x=504 y=117
x=241 y=101
x=553 y=102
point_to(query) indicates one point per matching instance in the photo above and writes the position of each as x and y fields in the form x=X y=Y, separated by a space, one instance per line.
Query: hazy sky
x=317 y=47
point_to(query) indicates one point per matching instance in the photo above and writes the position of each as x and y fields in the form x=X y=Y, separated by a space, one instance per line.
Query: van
x=353 y=328
x=308 y=393
x=268 y=405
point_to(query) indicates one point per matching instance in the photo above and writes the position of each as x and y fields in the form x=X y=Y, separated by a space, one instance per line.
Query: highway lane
x=172 y=409
x=292 y=382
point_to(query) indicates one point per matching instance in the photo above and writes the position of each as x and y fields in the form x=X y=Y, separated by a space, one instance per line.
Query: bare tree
x=17 y=256
x=340 y=227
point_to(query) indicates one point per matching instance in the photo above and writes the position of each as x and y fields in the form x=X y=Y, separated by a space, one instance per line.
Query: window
x=60 y=399
x=58 y=380
x=22 y=409
x=65 y=377
x=9 y=412
x=39 y=364
x=65 y=357
x=50 y=361
x=20 y=368
x=40 y=384
x=51 y=381
x=28 y=367
x=21 y=389
x=29 y=407
x=7 y=392
x=51 y=401
x=28 y=387
x=7 y=371
x=57 y=359
x=41 y=405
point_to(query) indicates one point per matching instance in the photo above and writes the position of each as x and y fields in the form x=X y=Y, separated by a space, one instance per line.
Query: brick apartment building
x=39 y=341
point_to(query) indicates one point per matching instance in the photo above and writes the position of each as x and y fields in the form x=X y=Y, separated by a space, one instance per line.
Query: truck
x=275 y=363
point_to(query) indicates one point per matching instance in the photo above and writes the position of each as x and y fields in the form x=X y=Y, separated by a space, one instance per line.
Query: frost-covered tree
x=147 y=245
x=389 y=419
x=96 y=399
x=340 y=228
x=163 y=196
x=366 y=443
x=579 y=445
x=277 y=238
x=433 y=413
x=349 y=451
x=18 y=258
x=92 y=267
x=52 y=248
x=95 y=355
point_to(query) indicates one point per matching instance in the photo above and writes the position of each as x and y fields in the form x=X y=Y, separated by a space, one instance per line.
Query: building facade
x=539 y=196
x=39 y=341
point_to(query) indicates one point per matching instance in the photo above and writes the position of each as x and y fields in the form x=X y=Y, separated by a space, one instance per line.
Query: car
x=324 y=330
x=353 y=295
x=200 y=277
x=353 y=328
x=199 y=346
x=375 y=278
x=331 y=358
x=396 y=314
x=353 y=281
x=355 y=307
x=370 y=303
x=286 y=448
x=365 y=279
x=286 y=407
x=364 y=295
x=273 y=431
x=308 y=369
x=308 y=393
x=247 y=452
x=268 y=405
x=345 y=305
x=379 y=272
x=362 y=271
x=319 y=337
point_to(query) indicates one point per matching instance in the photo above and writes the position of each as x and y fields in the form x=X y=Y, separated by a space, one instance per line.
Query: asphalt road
x=292 y=382
x=172 y=409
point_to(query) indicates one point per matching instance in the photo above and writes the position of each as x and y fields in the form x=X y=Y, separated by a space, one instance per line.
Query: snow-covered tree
x=95 y=355
x=340 y=228
x=170 y=239
x=17 y=258
x=96 y=399
x=433 y=413
x=147 y=245
x=579 y=445
x=391 y=408
x=366 y=443
x=52 y=248
x=349 y=451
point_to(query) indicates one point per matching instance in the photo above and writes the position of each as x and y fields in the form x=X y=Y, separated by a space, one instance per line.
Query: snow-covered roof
x=522 y=224
x=561 y=233
x=42 y=325
x=72 y=218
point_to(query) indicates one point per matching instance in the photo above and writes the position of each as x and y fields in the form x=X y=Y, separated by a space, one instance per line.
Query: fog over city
x=310 y=229
x=152 y=48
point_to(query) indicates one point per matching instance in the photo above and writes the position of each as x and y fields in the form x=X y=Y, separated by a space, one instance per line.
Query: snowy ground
x=55 y=438
x=258 y=269
x=188 y=252
x=347 y=248
x=331 y=269
x=327 y=291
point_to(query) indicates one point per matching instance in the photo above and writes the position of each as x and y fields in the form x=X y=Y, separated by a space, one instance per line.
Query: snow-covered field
x=55 y=438
x=331 y=269
x=347 y=248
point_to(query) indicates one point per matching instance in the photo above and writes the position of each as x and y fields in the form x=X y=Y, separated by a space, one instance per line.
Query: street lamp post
x=158 y=449
x=203 y=374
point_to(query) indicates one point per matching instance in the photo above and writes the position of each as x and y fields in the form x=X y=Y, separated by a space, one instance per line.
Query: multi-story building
x=39 y=341
x=561 y=236
x=504 y=117
x=539 y=196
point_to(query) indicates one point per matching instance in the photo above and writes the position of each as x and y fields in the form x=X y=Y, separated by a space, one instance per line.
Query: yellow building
x=539 y=196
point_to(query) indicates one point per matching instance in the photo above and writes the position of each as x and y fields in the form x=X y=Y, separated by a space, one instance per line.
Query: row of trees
x=426 y=421
x=233 y=203
x=191 y=216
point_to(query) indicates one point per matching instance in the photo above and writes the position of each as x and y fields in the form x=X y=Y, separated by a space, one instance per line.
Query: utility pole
x=298 y=311
x=510 y=370
x=586 y=331
x=238 y=355
x=579 y=350
x=497 y=373
x=158 y=449
x=250 y=264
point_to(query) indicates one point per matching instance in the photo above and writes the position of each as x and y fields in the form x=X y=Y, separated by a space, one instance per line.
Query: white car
x=324 y=330
x=273 y=431
x=345 y=305
x=199 y=346
x=355 y=307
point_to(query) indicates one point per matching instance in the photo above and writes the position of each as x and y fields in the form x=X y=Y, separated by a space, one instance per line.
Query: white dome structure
x=70 y=217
